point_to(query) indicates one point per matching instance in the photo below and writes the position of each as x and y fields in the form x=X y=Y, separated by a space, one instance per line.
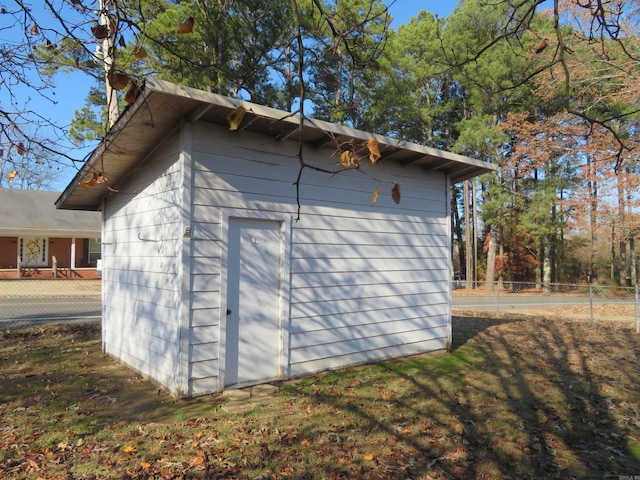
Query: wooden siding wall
x=142 y=253
x=366 y=282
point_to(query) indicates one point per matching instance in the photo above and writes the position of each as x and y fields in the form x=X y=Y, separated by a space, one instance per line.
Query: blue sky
x=403 y=10
x=71 y=89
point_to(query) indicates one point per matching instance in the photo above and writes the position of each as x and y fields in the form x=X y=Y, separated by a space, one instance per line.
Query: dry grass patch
x=516 y=398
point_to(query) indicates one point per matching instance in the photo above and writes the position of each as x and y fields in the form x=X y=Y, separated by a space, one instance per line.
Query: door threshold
x=254 y=383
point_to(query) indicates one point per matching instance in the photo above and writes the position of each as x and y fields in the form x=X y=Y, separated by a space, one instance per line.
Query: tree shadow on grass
x=516 y=398
x=61 y=367
x=469 y=324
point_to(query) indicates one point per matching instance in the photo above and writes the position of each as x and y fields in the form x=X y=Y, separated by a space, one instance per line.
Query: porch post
x=18 y=256
x=72 y=266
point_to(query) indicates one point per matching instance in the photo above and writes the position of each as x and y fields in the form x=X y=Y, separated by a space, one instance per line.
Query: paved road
x=33 y=311
x=512 y=302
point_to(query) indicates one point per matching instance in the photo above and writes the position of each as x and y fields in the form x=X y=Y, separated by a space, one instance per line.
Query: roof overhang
x=48 y=232
x=161 y=107
x=32 y=213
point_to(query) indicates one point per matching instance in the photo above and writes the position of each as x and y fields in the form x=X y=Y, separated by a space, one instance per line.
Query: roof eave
x=48 y=232
x=158 y=110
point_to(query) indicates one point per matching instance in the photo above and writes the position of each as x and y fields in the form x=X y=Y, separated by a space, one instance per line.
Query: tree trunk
x=491 y=259
x=633 y=272
x=553 y=248
x=592 y=187
x=490 y=274
x=457 y=228
x=546 y=262
x=630 y=272
x=622 y=231
x=613 y=253
x=633 y=262
x=474 y=243
x=113 y=111
x=467 y=236
x=540 y=267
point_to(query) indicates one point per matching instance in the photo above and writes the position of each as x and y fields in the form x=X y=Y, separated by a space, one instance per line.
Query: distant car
x=459 y=281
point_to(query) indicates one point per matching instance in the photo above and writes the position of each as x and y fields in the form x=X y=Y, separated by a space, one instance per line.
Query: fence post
x=637 y=310
x=592 y=323
x=498 y=298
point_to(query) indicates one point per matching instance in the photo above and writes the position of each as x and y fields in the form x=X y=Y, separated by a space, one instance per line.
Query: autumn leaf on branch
x=132 y=93
x=186 y=26
x=376 y=194
x=12 y=175
x=543 y=44
x=100 y=31
x=395 y=193
x=235 y=118
x=374 y=150
x=348 y=158
x=118 y=80
x=345 y=158
x=34 y=30
x=97 y=177
x=20 y=148
x=139 y=52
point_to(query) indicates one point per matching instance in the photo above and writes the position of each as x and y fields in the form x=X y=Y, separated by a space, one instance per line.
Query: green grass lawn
x=516 y=398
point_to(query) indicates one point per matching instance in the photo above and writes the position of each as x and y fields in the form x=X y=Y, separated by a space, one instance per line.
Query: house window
x=33 y=251
x=94 y=252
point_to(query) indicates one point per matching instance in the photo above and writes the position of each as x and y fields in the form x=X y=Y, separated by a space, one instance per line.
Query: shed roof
x=33 y=212
x=162 y=106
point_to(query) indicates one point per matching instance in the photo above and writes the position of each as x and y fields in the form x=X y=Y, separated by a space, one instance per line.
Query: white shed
x=209 y=281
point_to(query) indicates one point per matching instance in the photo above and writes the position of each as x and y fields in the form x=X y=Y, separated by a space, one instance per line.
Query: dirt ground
x=605 y=314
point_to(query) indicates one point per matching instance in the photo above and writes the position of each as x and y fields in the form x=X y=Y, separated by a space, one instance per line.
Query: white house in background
x=209 y=281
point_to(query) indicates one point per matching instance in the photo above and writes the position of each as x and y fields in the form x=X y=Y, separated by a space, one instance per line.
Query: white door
x=253 y=337
x=33 y=251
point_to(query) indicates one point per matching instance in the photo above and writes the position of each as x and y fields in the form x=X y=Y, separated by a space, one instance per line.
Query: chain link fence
x=30 y=303
x=590 y=302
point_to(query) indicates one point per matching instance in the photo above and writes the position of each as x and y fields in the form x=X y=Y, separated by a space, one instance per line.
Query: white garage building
x=209 y=279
